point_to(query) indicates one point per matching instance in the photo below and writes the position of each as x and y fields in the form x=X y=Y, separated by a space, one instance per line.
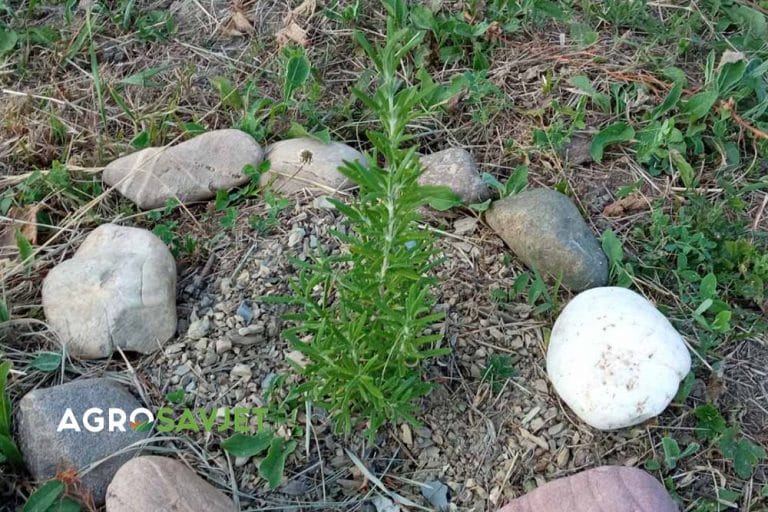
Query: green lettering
x=225 y=426
x=208 y=421
x=187 y=422
x=260 y=413
x=241 y=420
x=165 y=421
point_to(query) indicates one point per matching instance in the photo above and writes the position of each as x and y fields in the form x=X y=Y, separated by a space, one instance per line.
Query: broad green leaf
x=228 y=93
x=296 y=74
x=271 y=468
x=612 y=247
x=25 y=248
x=517 y=182
x=708 y=286
x=141 y=140
x=744 y=454
x=729 y=76
x=66 y=505
x=613 y=134
x=710 y=423
x=687 y=174
x=700 y=104
x=42 y=499
x=440 y=198
x=142 y=78
x=584 y=84
x=671 y=451
x=193 y=128
x=176 y=396
x=10 y=451
x=8 y=39
x=46 y=361
x=722 y=321
x=491 y=181
x=583 y=34
x=670 y=102
x=686 y=386
x=296 y=130
x=5 y=315
x=652 y=465
x=5 y=401
x=481 y=207
x=243 y=445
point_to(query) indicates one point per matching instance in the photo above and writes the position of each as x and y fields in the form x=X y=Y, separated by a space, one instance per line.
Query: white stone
x=190 y=171
x=306 y=163
x=118 y=290
x=614 y=358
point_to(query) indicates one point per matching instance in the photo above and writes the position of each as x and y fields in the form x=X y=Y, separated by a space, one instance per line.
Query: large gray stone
x=160 y=483
x=605 y=488
x=546 y=231
x=308 y=164
x=191 y=171
x=118 y=290
x=456 y=169
x=47 y=452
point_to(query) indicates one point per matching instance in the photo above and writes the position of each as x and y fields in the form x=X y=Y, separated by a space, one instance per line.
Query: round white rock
x=614 y=358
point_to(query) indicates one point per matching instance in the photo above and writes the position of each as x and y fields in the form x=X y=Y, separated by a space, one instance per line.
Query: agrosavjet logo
x=113 y=419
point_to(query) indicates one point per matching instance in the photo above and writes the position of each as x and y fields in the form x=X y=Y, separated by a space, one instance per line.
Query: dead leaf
x=493 y=34
x=306 y=8
x=23 y=219
x=238 y=24
x=292 y=32
x=624 y=205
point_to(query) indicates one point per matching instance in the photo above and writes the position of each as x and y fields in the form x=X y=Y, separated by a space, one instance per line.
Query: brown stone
x=191 y=171
x=456 y=169
x=160 y=483
x=602 y=489
x=306 y=164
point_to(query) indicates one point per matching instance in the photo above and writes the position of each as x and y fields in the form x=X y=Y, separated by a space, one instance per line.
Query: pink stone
x=602 y=489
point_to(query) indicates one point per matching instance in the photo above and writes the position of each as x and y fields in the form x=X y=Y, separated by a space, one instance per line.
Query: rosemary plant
x=364 y=314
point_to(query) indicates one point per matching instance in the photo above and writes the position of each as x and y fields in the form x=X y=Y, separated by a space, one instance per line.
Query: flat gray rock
x=191 y=171
x=546 y=231
x=118 y=290
x=160 y=483
x=308 y=164
x=46 y=451
x=456 y=169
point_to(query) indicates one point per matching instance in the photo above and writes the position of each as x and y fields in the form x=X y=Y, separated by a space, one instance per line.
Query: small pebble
x=245 y=311
x=241 y=370
x=199 y=328
x=296 y=236
x=223 y=345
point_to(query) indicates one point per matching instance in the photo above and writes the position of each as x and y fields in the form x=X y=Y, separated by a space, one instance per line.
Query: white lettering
x=98 y=426
x=68 y=422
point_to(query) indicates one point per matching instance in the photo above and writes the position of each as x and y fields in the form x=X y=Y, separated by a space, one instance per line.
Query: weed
x=365 y=313
x=278 y=449
x=718 y=269
x=529 y=286
x=740 y=451
x=167 y=231
x=498 y=371
x=275 y=204
x=9 y=453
